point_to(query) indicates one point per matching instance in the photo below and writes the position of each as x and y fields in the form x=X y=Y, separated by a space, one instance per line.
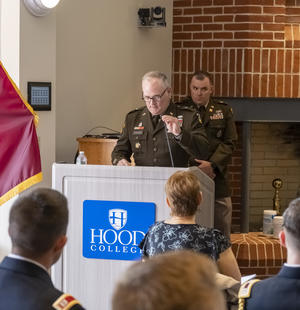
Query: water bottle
x=81 y=159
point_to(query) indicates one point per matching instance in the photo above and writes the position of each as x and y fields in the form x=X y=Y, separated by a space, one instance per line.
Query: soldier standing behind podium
x=217 y=118
x=37 y=228
x=144 y=133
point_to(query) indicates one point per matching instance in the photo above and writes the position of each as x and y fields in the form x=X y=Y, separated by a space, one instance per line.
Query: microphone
x=168 y=143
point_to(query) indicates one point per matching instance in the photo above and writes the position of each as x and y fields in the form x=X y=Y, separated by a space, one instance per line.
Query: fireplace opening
x=268 y=148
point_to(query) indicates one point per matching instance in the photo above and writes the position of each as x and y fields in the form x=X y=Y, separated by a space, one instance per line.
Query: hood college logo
x=117 y=218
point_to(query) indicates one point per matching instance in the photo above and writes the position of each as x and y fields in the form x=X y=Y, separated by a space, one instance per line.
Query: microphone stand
x=169 y=147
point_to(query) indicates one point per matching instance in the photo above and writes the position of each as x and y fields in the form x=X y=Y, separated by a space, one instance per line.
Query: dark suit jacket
x=281 y=292
x=26 y=286
x=149 y=145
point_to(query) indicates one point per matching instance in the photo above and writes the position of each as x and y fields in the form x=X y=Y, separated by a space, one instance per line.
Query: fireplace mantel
x=251 y=109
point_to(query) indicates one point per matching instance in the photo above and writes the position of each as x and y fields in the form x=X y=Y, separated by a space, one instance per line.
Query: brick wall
x=251 y=48
x=258 y=254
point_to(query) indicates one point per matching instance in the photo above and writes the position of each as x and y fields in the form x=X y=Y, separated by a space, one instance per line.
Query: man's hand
x=206 y=167
x=172 y=124
x=123 y=162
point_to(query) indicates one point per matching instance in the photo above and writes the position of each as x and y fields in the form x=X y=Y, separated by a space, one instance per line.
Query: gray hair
x=156 y=75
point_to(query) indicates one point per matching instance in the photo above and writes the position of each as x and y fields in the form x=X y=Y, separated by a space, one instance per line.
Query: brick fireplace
x=251 y=48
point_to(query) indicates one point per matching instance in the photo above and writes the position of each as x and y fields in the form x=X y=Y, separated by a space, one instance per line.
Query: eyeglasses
x=155 y=98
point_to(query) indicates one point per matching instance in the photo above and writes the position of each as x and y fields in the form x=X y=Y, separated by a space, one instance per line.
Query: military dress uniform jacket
x=281 y=292
x=26 y=286
x=221 y=133
x=149 y=145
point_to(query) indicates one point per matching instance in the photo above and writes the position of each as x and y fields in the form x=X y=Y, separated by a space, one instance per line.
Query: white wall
x=101 y=57
x=9 y=56
x=94 y=55
x=28 y=52
x=38 y=64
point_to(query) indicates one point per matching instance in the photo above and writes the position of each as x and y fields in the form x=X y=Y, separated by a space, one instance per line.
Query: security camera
x=157 y=12
x=158 y=16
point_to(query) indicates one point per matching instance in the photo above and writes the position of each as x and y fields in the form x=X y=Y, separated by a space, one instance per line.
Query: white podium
x=92 y=281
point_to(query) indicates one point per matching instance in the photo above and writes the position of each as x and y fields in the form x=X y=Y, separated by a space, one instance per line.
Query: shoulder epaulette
x=221 y=102
x=184 y=107
x=136 y=110
x=65 y=302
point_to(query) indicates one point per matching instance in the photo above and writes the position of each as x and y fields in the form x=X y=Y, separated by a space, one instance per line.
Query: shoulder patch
x=245 y=289
x=65 y=302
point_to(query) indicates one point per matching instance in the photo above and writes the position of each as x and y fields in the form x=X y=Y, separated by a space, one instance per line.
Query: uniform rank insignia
x=180 y=120
x=245 y=289
x=64 y=302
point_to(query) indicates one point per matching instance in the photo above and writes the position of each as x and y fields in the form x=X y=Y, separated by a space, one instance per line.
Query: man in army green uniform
x=160 y=133
x=217 y=118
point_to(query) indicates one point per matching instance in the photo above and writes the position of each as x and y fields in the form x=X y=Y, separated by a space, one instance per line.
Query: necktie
x=201 y=110
x=155 y=120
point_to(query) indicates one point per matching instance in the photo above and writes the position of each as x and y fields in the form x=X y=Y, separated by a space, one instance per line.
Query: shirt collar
x=292 y=265
x=27 y=260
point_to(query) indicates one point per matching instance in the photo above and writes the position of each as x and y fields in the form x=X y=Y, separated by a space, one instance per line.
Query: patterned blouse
x=162 y=237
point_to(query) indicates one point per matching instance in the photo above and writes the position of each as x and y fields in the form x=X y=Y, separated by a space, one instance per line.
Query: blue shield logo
x=117 y=218
x=114 y=229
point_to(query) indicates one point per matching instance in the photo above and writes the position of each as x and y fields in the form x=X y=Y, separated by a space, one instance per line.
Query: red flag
x=20 y=162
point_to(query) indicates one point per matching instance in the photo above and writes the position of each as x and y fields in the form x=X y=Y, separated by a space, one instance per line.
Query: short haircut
x=182 y=189
x=37 y=219
x=156 y=75
x=170 y=281
x=291 y=222
x=201 y=75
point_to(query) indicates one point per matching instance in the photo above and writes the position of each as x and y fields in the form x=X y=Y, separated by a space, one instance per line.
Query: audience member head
x=201 y=87
x=38 y=223
x=291 y=226
x=183 y=193
x=156 y=92
x=171 y=281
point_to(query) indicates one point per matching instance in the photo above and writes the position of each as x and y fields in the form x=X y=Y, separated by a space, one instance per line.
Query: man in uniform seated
x=37 y=228
x=281 y=292
x=173 y=280
x=160 y=133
